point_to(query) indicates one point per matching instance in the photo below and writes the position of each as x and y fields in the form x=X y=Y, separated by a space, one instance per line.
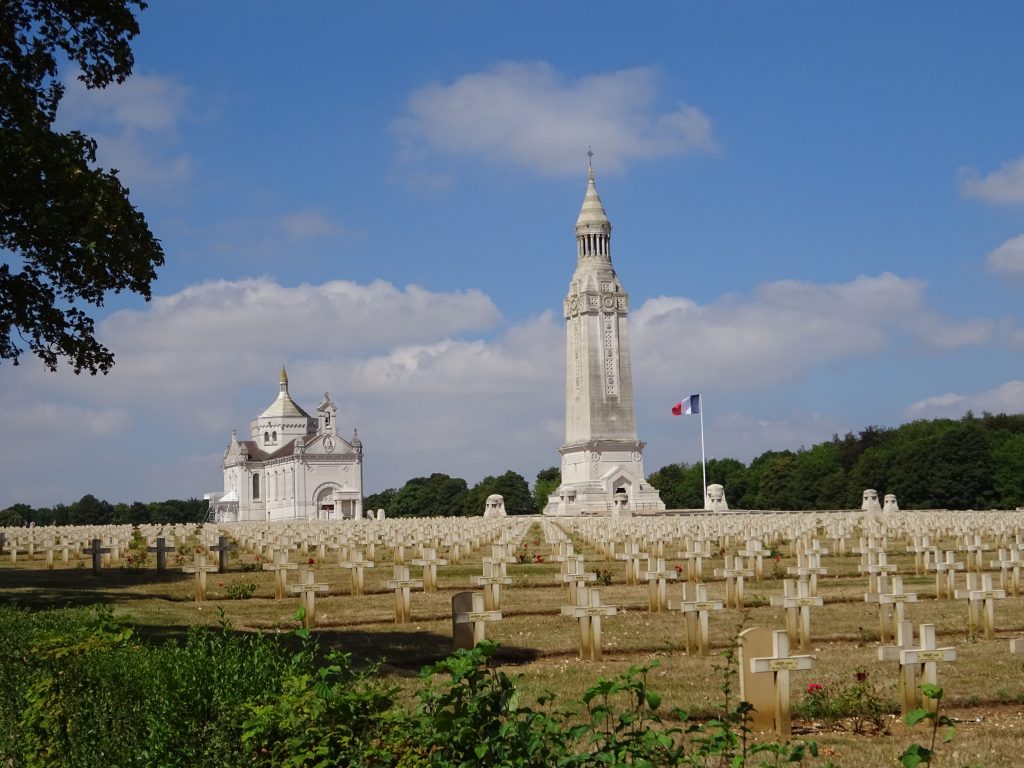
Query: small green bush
x=240 y=590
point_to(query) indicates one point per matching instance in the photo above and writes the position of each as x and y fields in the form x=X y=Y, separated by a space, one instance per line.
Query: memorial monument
x=602 y=458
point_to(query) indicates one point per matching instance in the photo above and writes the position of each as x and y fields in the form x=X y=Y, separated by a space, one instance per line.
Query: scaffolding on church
x=223 y=507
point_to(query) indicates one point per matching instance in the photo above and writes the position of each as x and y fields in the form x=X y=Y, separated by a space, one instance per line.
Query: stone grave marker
x=657 y=577
x=908 y=672
x=797 y=601
x=927 y=656
x=429 y=562
x=890 y=608
x=779 y=665
x=200 y=568
x=357 y=564
x=756 y=687
x=469 y=619
x=589 y=614
x=945 y=575
x=733 y=572
x=1009 y=564
x=403 y=586
x=306 y=589
x=492 y=580
x=223 y=549
x=95 y=551
x=696 y=608
x=280 y=567
x=981 y=599
x=161 y=550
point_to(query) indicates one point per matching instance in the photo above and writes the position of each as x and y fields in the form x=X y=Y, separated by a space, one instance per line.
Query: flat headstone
x=757 y=688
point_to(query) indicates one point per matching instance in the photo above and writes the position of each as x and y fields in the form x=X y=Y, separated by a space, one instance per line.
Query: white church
x=602 y=458
x=293 y=466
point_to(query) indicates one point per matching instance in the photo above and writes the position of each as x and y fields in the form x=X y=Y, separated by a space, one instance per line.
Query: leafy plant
x=858 y=706
x=240 y=590
x=916 y=754
x=138 y=552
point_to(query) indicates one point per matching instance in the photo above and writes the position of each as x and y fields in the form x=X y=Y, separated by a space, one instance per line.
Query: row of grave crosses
x=885 y=588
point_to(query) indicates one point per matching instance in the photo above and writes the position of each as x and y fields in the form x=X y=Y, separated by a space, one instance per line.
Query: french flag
x=690 y=405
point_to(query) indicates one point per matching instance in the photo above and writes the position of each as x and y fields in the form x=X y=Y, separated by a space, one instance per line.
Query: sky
x=818 y=213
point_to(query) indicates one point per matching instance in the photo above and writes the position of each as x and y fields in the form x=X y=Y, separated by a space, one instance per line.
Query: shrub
x=240 y=590
x=858 y=706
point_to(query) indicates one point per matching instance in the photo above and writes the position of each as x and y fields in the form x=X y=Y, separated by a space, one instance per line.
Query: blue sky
x=818 y=213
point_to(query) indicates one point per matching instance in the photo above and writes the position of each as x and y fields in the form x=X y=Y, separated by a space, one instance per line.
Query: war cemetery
x=856 y=603
x=291 y=625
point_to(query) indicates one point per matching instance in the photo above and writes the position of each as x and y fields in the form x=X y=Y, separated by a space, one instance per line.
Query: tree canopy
x=68 y=232
x=968 y=463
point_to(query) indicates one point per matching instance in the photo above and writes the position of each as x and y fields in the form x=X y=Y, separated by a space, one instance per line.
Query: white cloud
x=1003 y=185
x=46 y=418
x=143 y=102
x=1006 y=398
x=135 y=125
x=532 y=115
x=1008 y=258
x=786 y=327
x=426 y=380
x=303 y=225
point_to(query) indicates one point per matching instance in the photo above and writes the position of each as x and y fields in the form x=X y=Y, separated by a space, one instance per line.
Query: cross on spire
x=590 y=162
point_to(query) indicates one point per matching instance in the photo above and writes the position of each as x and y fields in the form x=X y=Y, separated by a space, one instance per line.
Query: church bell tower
x=602 y=458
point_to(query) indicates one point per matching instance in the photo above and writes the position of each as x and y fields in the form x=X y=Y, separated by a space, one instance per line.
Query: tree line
x=968 y=463
x=89 y=510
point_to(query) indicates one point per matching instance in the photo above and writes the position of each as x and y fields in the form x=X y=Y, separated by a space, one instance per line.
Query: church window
x=256 y=486
x=327 y=418
x=266 y=438
x=273 y=436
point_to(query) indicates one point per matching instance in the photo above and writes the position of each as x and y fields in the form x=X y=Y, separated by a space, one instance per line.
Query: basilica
x=292 y=466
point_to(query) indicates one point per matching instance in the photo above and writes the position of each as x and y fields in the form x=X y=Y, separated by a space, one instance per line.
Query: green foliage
x=240 y=590
x=384 y=500
x=73 y=232
x=547 y=482
x=857 y=705
x=511 y=486
x=917 y=754
x=138 y=552
x=434 y=496
x=78 y=688
x=330 y=715
x=944 y=463
x=92 y=511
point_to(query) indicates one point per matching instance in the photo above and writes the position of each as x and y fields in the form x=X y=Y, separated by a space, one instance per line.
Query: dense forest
x=968 y=463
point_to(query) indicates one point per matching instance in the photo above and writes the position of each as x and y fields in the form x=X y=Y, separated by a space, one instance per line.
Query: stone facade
x=293 y=466
x=602 y=458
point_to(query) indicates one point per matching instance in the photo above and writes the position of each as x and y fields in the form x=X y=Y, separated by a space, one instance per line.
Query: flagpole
x=703 y=463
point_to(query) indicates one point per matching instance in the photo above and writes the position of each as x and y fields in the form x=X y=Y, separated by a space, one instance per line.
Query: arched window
x=273 y=436
x=256 y=485
x=266 y=438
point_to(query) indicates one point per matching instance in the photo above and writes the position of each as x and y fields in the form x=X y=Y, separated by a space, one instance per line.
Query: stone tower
x=602 y=458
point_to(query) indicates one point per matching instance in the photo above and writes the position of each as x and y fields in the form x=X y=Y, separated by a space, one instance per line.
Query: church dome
x=284 y=407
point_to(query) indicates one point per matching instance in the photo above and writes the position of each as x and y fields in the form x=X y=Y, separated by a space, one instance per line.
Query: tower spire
x=284 y=379
x=593 y=230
